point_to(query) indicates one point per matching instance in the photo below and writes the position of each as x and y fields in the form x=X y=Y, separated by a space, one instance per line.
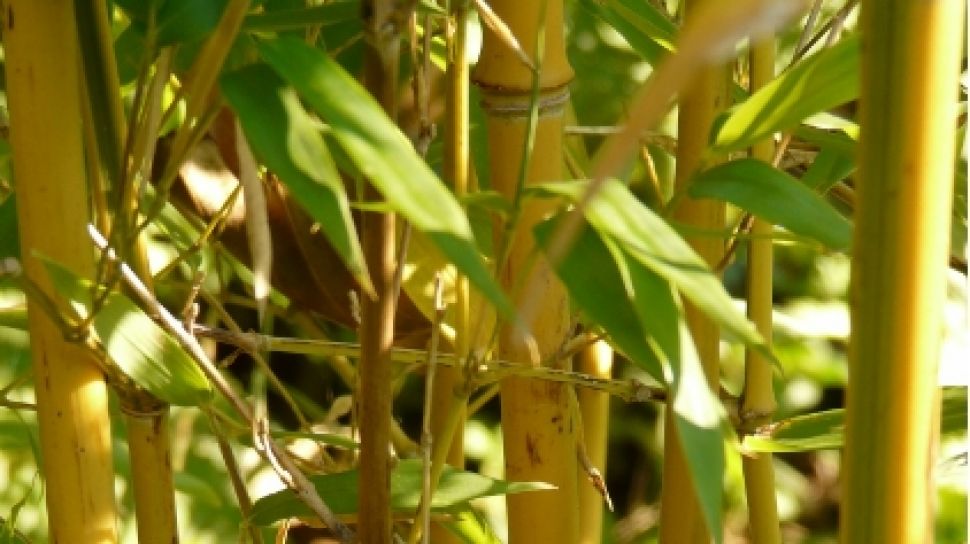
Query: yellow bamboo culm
x=595 y=360
x=681 y=520
x=537 y=424
x=910 y=68
x=151 y=468
x=758 y=402
x=43 y=88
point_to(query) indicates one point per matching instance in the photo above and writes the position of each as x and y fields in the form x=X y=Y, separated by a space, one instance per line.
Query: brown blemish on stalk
x=532 y=448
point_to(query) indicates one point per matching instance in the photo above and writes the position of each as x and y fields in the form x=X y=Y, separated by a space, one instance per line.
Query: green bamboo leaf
x=618 y=216
x=603 y=293
x=10 y=241
x=290 y=144
x=828 y=168
x=699 y=420
x=823 y=81
x=777 y=197
x=825 y=430
x=648 y=31
x=138 y=346
x=147 y=354
x=331 y=13
x=339 y=491
x=383 y=154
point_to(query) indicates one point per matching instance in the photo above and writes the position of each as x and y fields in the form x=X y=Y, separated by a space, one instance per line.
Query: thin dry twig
x=485 y=371
x=288 y=472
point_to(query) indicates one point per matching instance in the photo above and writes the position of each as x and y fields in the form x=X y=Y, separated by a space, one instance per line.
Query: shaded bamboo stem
x=42 y=82
x=758 y=400
x=681 y=520
x=375 y=394
x=911 y=56
x=449 y=406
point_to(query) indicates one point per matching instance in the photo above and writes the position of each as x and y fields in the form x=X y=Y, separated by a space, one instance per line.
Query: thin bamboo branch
x=485 y=371
x=758 y=400
x=290 y=474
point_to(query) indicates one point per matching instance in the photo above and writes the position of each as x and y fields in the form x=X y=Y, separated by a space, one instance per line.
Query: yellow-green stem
x=758 y=400
x=596 y=360
x=448 y=404
x=681 y=521
x=151 y=468
x=42 y=83
x=910 y=68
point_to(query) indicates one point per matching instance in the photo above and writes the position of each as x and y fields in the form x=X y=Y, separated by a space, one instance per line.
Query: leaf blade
x=775 y=196
x=383 y=154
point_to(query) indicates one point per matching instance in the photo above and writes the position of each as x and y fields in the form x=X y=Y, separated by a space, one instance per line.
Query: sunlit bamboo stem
x=43 y=85
x=758 y=400
x=537 y=424
x=596 y=360
x=911 y=54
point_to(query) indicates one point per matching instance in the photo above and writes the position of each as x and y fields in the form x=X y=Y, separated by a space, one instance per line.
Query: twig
x=289 y=472
x=424 y=519
x=484 y=371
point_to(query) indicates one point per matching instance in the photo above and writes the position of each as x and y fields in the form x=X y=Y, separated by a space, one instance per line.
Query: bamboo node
x=502 y=102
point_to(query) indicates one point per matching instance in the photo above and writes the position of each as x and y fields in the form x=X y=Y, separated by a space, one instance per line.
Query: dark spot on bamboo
x=532 y=449
x=10 y=17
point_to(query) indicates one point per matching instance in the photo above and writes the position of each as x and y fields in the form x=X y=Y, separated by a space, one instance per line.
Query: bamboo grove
x=481 y=270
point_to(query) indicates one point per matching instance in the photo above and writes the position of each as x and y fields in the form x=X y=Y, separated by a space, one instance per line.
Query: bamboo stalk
x=538 y=428
x=681 y=520
x=375 y=393
x=43 y=88
x=596 y=360
x=145 y=416
x=446 y=393
x=151 y=470
x=910 y=68
x=758 y=400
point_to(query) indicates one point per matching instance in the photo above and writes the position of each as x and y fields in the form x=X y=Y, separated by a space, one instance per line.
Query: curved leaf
x=340 y=491
x=823 y=81
x=777 y=197
x=290 y=144
x=825 y=430
x=648 y=239
x=135 y=343
x=604 y=295
x=383 y=154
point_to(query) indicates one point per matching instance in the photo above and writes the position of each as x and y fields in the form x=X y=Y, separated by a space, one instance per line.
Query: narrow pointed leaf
x=290 y=144
x=825 y=430
x=698 y=418
x=827 y=79
x=383 y=154
x=776 y=197
x=649 y=240
x=644 y=27
x=339 y=491
x=135 y=343
x=598 y=288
